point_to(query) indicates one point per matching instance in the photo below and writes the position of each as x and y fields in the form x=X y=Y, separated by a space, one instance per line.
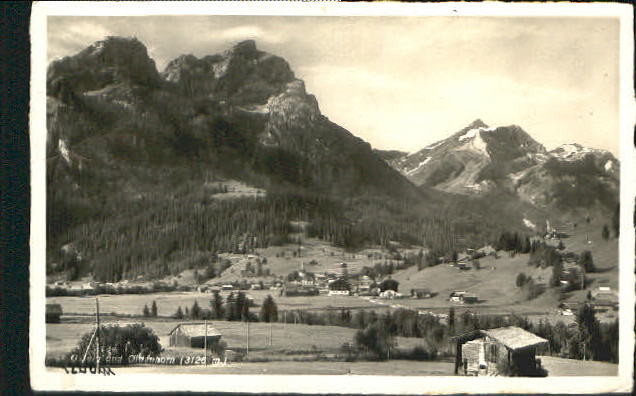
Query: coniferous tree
x=179 y=313
x=587 y=262
x=616 y=221
x=605 y=233
x=269 y=310
x=588 y=338
x=195 y=312
x=153 y=309
x=146 y=311
x=216 y=305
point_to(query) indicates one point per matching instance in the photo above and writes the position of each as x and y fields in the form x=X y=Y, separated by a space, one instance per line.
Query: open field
x=323 y=256
x=167 y=303
x=62 y=337
x=568 y=367
x=393 y=367
x=495 y=282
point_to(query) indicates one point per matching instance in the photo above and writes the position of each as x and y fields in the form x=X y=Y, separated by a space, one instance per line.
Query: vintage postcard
x=332 y=198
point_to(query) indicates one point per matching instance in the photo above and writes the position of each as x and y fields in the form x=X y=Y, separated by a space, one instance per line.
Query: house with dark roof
x=194 y=335
x=53 y=313
x=421 y=293
x=508 y=351
x=339 y=287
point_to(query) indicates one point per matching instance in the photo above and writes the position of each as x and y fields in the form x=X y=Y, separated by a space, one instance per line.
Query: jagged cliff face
x=242 y=112
x=482 y=159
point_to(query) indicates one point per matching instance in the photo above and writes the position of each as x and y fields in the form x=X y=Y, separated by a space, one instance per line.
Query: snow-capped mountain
x=468 y=160
x=481 y=158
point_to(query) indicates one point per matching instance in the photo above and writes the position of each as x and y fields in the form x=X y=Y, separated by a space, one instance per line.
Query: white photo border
x=43 y=379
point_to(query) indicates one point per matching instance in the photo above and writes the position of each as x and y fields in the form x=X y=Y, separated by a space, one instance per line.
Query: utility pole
x=247 y=336
x=270 y=333
x=97 y=319
x=205 y=342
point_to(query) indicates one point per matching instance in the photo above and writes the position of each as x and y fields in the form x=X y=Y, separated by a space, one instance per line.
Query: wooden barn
x=193 y=335
x=506 y=351
x=421 y=293
x=53 y=313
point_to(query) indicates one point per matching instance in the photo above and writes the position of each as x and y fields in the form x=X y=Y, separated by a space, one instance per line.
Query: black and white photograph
x=319 y=197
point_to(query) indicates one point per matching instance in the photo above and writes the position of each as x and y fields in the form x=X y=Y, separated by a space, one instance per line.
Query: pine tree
x=451 y=320
x=179 y=313
x=146 y=311
x=195 y=312
x=587 y=262
x=269 y=310
x=153 y=309
x=588 y=332
x=616 y=221
x=605 y=233
x=216 y=304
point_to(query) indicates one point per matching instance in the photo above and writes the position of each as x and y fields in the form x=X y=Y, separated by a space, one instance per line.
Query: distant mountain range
x=135 y=157
x=480 y=158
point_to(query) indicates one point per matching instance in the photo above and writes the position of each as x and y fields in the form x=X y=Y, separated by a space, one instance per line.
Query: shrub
x=120 y=341
x=587 y=262
x=521 y=279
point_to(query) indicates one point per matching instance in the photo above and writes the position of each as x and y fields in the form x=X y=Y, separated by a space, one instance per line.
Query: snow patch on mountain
x=529 y=224
x=63 y=148
x=421 y=164
x=434 y=145
x=255 y=109
x=475 y=132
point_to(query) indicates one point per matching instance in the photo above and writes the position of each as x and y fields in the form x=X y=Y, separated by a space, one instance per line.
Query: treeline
x=167 y=237
x=588 y=338
x=159 y=237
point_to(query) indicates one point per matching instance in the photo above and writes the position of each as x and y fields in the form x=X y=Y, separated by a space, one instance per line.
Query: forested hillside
x=137 y=164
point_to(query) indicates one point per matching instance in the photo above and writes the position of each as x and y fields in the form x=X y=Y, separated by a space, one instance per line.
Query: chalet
x=53 y=313
x=456 y=296
x=569 y=308
x=364 y=289
x=509 y=351
x=572 y=276
x=461 y=265
x=421 y=293
x=470 y=298
x=255 y=286
x=292 y=290
x=227 y=287
x=307 y=278
x=604 y=299
x=339 y=287
x=193 y=335
x=390 y=294
x=389 y=284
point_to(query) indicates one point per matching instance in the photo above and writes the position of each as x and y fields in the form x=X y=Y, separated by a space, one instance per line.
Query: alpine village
x=209 y=218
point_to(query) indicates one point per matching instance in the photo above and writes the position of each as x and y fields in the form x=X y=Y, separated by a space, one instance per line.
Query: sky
x=405 y=82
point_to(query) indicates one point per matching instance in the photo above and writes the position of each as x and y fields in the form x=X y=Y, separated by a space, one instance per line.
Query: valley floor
x=557 y=367
x=393 y=367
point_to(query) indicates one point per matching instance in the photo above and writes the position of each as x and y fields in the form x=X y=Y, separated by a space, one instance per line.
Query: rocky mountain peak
x=114 y=60
x=241 y=75
x=246 y=48
x=478 y=123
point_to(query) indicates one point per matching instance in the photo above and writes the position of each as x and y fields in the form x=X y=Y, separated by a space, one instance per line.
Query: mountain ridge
x=480 y=158
x=138 y=163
